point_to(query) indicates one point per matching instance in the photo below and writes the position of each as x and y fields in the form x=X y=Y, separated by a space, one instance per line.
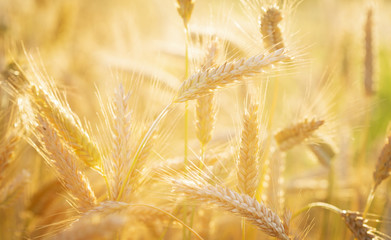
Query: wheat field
x=195 y=119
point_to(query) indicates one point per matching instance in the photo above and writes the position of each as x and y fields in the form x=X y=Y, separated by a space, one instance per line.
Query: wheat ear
x=249 y=147
x=382 y=171
x=7 y=153
x=13 y=189
x=65 y=163
x=323 y=151
x=185 y=9
x=383 y=165
x=204 y=82
x=296 y=134
x=69 y=128
x=15 y=77
x=271 y=32
x=353 y=220
x=368 y=77
x=121 y=139
x=240 y=204
x=63 y=120
x=206 y=107
x=357 y=225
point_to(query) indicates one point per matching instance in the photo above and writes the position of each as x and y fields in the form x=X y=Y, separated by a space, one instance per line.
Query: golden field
x=183 y=119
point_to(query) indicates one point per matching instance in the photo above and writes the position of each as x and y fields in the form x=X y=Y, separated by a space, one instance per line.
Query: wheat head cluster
x=195 y=119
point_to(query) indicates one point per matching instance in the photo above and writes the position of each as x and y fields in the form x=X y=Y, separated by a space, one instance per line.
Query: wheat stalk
x=247 y=173
x=368 y=76
x=271 y=32
x=65 y=163
x=204 y=82
x=295 y=134
x=240 y=204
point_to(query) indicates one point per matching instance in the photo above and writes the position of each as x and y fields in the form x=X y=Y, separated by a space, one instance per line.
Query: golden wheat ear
x=206 y=106
x=249 y=148
x=67 y=127
x=48 y=105
x=355 y=221
x=239 y=204
x=15 y=77
x=185 y=9
x=271 y=32
x=7 y=153
x=297 y=133
x=323 y=151
x=357 y=225
x=11 y=191
x=121 y=134
x=65 y=164
x=383 y=165
x=203 y=83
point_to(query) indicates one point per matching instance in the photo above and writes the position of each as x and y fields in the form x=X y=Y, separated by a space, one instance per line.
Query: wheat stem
x=369 y=201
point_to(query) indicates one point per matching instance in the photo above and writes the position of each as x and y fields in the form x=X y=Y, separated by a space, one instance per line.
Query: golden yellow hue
x=184 y=119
